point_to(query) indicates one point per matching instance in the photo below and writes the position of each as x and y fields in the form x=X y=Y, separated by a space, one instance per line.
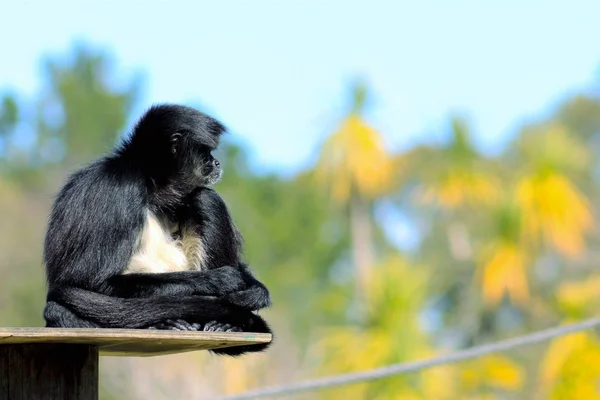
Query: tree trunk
x=361 y=246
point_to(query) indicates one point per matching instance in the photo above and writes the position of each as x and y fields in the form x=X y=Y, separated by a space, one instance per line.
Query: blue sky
x=275 y=71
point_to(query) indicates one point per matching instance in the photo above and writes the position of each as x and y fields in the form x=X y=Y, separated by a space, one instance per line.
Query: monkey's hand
x=253 y=298
x=223 y=281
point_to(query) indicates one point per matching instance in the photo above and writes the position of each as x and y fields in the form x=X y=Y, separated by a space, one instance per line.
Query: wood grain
x=132 y=342
x=48 y=372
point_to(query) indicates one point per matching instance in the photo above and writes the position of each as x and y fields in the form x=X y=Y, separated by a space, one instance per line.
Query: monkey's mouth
x=203 y=177
x=215 y=176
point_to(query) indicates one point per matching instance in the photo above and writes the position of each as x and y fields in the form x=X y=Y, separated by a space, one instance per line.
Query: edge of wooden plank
x=144 y=334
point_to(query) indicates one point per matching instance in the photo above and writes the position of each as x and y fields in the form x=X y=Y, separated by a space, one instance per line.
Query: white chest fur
x=158 y=252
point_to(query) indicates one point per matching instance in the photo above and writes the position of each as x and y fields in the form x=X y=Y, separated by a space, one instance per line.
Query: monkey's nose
x=217 y=163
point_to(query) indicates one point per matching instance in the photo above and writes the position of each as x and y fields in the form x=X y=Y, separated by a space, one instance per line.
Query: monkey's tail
x=132 y=313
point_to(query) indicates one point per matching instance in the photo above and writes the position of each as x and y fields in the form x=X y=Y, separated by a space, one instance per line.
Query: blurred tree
x=392 y=334
x=356 y=168
x=571 y=366
x=81 y=112
x=553 y=208
x=581 y=115
x=505 y=257
x=458 y=175
x=9 y=116
x=453 y=188
x=22 y=293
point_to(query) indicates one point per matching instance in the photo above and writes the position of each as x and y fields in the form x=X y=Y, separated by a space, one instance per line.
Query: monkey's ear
x=174 y=141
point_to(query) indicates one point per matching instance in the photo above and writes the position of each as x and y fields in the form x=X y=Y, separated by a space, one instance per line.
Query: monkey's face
x=210 y=171
x=195 y=161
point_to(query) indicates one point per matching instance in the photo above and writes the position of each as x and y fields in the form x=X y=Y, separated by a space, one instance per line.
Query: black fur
x=164 y=167
x=214 y=224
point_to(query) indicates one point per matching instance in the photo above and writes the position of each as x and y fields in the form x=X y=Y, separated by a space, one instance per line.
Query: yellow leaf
x=504 y=271
x=553 y=208
x=571 y=368
x=558 y=352
x=355 y=159
x=493 y=371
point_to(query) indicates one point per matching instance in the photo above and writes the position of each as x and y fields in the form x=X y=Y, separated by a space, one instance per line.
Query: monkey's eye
x=175 y=137
x=174 y=140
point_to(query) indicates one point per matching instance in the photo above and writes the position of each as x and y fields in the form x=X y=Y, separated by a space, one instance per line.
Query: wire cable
x=404 y=368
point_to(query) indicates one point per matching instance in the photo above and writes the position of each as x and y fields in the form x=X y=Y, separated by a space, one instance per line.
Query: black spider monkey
x=137 y=240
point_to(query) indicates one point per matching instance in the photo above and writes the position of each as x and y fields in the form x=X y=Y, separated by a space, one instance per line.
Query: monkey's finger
x=183 y=325
x=170 y=325
x=219 y=327
x=222 y=327
x=210 y=325
x=158 y=326
x=197 y=326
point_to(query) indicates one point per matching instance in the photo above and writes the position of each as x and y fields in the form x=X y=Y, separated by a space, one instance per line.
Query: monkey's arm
x=218 y=282
x=235 y=285
x=209 y=216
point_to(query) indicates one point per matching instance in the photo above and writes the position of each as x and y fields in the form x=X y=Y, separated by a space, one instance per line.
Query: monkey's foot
x=215 y=326
x=177 y=325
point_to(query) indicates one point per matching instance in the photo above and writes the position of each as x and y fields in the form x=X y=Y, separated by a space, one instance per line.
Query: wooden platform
x=132 y=342
x=62 y=364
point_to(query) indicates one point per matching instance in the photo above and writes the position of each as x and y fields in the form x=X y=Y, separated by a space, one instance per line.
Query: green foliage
x=9 y=114
x=80 y=113
x=9 y=117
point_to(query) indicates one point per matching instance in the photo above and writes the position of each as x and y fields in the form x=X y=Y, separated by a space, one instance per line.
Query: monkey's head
x=194 y=159
x=176 y=144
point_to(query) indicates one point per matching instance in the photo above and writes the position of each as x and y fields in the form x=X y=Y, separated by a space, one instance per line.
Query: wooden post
x=62 y=364
x=48 y=372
